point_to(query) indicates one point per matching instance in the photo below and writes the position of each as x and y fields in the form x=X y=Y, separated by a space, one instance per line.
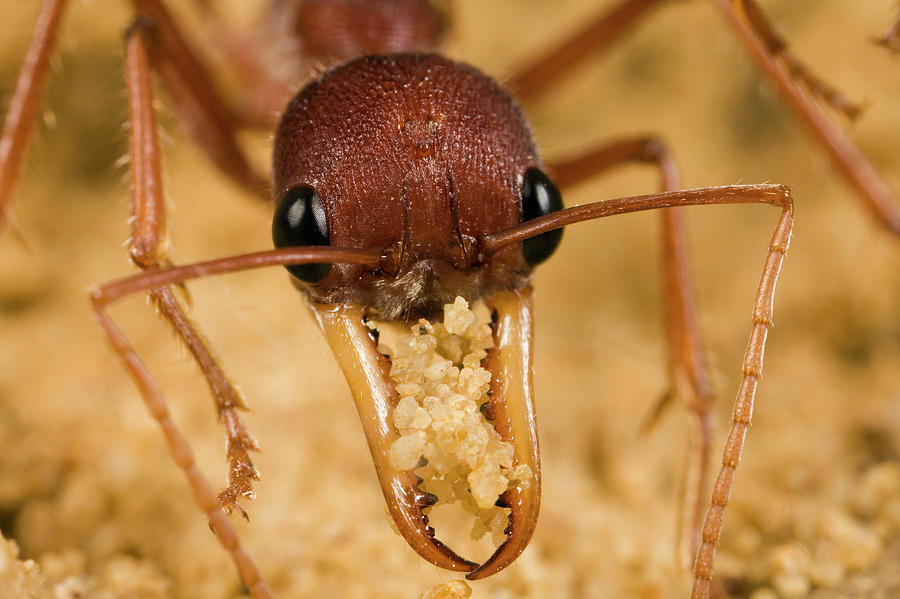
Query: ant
x=151 y=42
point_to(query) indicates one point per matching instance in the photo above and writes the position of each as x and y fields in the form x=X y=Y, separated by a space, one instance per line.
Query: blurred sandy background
x=88 y=490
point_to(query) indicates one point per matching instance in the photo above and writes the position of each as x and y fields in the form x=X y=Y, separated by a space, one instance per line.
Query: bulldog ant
x=310 y=181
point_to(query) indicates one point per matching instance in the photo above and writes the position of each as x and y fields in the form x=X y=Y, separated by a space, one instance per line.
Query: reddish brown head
x=412 y=154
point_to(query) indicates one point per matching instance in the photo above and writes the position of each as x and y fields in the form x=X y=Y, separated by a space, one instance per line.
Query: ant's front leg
x=688 y=379
x=146 y=250
x=762 y=317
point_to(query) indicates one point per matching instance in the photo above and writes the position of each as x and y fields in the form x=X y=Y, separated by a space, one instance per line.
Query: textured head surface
x=417 y=154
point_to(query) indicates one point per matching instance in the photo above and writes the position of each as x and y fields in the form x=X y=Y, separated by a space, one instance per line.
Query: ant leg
x=181 y=452
x=765 y=47
x=890 y=39
x=687 y=369
x=27 y=96
x=251 y=56
x=599 y=33
x=777 y=48
x=208 y=121
x=686 y=365
x=851 y=162
x=763 y=310
x=147 y=252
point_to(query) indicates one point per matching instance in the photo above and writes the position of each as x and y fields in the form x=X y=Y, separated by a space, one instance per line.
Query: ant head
x=417 y=156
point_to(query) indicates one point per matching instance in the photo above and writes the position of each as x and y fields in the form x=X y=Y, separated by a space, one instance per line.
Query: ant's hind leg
x=146 y=250
x=688 y=378
x=26 y=98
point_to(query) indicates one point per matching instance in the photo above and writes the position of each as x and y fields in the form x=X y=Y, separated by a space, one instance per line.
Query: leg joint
x=142 y=25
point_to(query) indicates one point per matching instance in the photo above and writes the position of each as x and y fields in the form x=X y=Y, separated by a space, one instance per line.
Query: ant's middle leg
x=147 y=251
x=768 y=51
x=777 y=48
x=210 y=123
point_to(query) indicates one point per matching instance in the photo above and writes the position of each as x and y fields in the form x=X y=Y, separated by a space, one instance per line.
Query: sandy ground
x=88 y=491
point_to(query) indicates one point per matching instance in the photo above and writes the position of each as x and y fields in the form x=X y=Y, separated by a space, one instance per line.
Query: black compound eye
x=539 y=197
x=300 y=220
